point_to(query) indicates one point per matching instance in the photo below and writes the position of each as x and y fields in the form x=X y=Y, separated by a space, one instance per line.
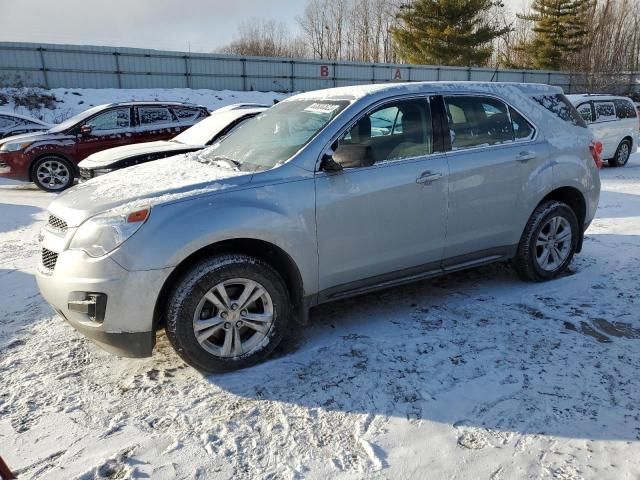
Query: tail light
x=596 y=150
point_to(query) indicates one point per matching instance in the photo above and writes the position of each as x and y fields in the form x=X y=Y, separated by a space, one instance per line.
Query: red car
x=50 y=158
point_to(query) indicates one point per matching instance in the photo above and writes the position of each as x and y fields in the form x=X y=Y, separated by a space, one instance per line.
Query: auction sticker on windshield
x=321 y=107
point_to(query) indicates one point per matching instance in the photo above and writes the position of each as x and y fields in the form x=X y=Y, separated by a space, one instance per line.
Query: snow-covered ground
x=71 y=101
x=476 y=375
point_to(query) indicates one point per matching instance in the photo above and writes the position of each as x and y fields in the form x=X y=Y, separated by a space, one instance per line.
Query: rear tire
x=212 y=321
x=53 y=174
x=548 y=242
x=623 y=152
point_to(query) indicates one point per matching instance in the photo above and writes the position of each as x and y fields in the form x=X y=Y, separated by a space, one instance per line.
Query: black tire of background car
x=615 y=161
x=41 y=186
x=199 y=279
x=525 y=261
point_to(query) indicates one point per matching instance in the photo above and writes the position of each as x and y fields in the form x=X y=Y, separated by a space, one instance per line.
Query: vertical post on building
x=244 y=73
x=437 y=74
x=116 y=55
x=187 y=72
x=44 y=67
x=293 y=72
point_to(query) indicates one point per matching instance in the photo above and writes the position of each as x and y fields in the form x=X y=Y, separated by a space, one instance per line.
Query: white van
x=614 y=121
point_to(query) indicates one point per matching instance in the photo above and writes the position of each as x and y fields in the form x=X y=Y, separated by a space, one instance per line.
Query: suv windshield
x=274 y=136
x=67 y=124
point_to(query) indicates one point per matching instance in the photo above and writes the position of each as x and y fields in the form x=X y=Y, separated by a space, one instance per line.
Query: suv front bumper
x=123 y=322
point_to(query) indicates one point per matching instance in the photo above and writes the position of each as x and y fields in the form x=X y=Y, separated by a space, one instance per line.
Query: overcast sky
x=202 y=25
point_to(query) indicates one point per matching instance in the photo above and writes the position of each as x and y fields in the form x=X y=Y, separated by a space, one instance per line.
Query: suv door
x=385 y=212
x=109 y=129
x=606 y=126
x=494 y=162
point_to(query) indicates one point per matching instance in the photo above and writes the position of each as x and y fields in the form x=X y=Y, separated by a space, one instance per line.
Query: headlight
x=101 y=234
x=14 y=147
x=101 y=171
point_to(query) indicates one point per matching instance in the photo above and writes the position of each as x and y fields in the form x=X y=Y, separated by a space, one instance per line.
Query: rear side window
x=187 y=114
x=561 y=107
x=478 y=121
x=522 y=130
x=624 y=109
x=605 y=111
x=154 y=116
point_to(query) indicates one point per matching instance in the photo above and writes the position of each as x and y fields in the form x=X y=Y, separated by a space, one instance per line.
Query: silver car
x=326 y=195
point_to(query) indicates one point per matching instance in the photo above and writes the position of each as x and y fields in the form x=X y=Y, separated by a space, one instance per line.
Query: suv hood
x=144 y=185
x=113 y=155
x=34 y=137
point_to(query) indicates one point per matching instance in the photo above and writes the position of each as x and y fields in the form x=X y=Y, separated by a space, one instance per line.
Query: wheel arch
x=272 y=254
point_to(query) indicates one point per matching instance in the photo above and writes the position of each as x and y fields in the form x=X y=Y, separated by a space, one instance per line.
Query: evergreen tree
x=560 y=29
x=447 y=32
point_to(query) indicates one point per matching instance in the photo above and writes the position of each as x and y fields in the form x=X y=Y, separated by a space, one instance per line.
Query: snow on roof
x=360 y=91
x=576 y=97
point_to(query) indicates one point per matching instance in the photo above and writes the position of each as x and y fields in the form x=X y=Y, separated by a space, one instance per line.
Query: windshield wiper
x=230 y=161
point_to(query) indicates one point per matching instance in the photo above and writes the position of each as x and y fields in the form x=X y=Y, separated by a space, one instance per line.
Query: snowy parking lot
x=474 y=375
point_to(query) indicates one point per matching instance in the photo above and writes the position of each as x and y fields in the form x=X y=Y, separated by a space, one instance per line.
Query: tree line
x=597 y=37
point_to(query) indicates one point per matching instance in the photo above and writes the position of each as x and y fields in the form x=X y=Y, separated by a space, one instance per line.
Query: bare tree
x=266 y=38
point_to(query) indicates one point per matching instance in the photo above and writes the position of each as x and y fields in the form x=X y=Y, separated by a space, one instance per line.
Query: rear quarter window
x=625 y=109
x=560 y=106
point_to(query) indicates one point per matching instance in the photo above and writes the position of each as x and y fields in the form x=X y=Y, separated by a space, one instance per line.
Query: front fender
x=282 y=214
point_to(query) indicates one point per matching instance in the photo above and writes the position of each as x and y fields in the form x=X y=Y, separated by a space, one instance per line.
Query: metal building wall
x=70 y=66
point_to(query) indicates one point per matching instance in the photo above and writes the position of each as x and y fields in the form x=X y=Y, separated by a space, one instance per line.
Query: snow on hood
x=111 y=155
x=143 y=185
x=33 y=137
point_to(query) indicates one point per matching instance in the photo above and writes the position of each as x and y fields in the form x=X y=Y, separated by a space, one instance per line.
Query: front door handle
x=428 y=177
x=526 y=156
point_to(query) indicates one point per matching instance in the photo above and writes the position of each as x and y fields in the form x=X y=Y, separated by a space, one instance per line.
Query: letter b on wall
x=324 y=70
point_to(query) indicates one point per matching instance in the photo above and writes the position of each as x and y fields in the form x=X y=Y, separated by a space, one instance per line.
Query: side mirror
x=86 y=129
x=328 y=164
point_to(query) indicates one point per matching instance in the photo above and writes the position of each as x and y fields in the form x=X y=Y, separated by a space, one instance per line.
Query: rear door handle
x=428 y=177
x=526 y=156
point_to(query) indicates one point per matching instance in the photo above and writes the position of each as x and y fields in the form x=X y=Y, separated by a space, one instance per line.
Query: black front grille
x=49 y=259
x=57 y=223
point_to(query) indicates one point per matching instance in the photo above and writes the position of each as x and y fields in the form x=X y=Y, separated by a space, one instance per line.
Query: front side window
x=605 y=111
x=393 y=132
x=625 y=109
x=478 y=121
x=152 y=116
x=116 y=119
x=272 y=137
x=6 y=122
x=585 y=112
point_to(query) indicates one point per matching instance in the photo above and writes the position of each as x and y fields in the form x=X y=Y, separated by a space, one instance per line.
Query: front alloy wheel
x=53 y=174
x=227 y=312
x=233 y=318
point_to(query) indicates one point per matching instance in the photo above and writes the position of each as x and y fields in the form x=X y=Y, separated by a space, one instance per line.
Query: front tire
x=228 y=312
x=623 y=152
x=53 y=174
x=548 y=242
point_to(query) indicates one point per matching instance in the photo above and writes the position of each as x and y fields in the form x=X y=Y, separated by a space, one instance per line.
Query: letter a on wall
x=397 y=75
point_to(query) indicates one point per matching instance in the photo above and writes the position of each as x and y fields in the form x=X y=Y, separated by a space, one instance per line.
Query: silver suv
x=326 y=195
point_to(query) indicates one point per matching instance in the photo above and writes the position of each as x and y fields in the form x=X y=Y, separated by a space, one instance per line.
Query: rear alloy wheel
x=228 y=312
x=53 y=174
x=622 y=154
x=548 y=242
